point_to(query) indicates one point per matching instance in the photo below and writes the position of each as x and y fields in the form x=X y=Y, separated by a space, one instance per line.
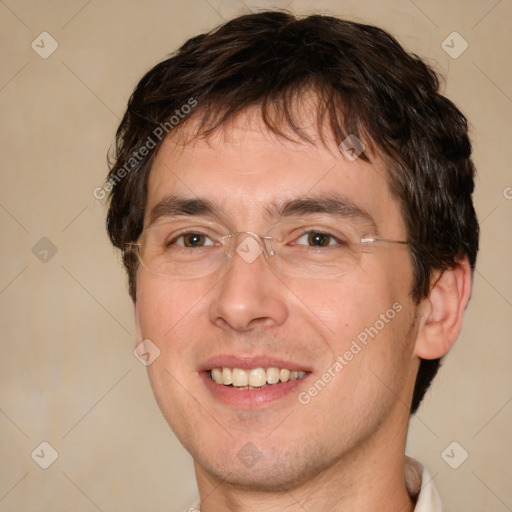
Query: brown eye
x=316 y=239
x=319 y=239
x=192 y=240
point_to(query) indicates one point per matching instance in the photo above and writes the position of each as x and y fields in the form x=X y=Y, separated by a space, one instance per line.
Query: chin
x=271 y=472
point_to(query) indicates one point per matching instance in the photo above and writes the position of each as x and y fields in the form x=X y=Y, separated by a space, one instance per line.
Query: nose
x=250 y=294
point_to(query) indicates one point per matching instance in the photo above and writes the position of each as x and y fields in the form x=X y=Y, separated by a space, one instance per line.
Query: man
x=293 y=202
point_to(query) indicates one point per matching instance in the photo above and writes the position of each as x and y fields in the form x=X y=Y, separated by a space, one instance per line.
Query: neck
x=369 y=478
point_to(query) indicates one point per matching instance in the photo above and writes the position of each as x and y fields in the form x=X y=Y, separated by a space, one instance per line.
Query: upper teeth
x=254 y=378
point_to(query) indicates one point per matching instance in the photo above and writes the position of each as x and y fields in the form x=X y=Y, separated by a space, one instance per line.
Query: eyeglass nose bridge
x=247 y=253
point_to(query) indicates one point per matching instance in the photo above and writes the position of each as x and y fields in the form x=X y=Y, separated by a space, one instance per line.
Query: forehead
x=243 y=168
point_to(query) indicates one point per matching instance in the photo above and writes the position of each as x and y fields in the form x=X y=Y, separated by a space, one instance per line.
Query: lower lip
x=251 y=398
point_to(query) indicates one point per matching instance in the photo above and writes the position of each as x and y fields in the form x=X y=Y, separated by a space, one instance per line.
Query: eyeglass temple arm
x=384 y=240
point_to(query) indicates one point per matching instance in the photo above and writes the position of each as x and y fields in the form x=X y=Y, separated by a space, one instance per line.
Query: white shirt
x=419 y=485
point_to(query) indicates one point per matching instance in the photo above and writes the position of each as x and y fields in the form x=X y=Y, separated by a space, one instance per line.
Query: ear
x=138 y=329
x=443 y=310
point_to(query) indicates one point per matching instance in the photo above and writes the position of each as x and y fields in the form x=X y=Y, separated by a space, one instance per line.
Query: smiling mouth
x=253 y=378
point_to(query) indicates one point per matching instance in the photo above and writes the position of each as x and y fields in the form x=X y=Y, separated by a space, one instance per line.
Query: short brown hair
x=366 y=85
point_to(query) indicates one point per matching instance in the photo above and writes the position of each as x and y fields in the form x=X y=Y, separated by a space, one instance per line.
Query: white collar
x=419 y=484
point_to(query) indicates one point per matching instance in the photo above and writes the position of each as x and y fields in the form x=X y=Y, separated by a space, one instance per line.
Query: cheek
x=346 y=308
x=165 y=308
x=167 y=314
x=366 y=317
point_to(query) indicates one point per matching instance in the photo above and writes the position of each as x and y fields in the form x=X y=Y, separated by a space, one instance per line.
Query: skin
x=344 y=450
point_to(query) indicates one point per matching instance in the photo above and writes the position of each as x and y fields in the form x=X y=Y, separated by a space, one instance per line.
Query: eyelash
x=174 y=239
x=333 y=238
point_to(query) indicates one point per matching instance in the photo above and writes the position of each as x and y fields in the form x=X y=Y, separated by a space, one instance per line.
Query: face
x=349 y=336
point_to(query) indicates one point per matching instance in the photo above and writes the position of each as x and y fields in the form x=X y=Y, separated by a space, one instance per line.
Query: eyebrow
x=335 y=205
x=173 y=206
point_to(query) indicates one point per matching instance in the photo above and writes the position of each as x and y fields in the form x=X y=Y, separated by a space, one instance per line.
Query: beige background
x=68 y=375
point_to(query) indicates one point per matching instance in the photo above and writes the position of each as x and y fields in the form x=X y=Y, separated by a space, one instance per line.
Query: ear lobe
x=443 y=311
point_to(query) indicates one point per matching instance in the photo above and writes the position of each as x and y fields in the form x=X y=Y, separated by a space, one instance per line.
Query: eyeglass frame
x=262 y=241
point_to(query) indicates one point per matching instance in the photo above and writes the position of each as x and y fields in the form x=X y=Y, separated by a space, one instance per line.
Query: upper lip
x=248 y=362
